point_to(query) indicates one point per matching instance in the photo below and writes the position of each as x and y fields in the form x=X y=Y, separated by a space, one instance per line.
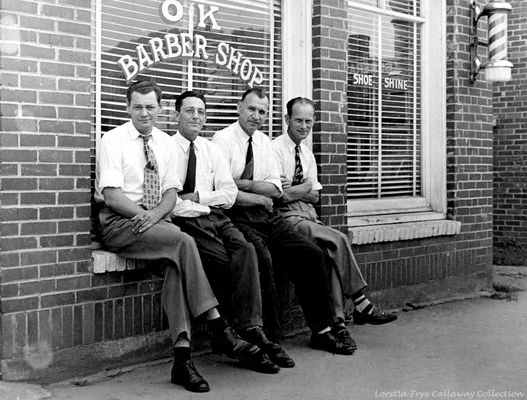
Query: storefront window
x=220 y=48
x=383 y=104
x=389 y=154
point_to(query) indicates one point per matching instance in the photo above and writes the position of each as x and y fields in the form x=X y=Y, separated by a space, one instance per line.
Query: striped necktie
x=151 y=189
x=299 y=174
x=248 y=171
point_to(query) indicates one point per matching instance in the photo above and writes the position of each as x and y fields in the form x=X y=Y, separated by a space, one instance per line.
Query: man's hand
x=267 y=202
x=145 y=220
x=286 y=183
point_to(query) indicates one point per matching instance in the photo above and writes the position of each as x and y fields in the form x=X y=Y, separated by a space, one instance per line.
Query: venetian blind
x=384 y=104
x=239 y=41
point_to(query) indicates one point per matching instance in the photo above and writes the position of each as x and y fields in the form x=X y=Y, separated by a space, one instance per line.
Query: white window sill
x=392 y=228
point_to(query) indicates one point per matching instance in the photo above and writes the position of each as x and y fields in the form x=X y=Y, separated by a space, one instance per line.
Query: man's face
x=191 y=117
x=300 y=123
x=252 y=113
x=143 y=110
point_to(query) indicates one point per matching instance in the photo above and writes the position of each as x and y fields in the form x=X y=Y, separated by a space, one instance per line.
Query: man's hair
x=258 y=91
x=143 y=87
x=189 y=93
x=302 y=100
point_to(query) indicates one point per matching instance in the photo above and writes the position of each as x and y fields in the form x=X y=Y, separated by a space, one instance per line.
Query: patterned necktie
x=190 y=180
x=299 y=174
x=248 y=171
x=151 y=192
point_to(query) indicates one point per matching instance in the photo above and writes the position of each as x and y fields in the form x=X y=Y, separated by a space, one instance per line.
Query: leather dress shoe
x=184 y=373
x=328 y=342
x=376 y=317
x=232 y=345
x=276 y=353
x=344 y=336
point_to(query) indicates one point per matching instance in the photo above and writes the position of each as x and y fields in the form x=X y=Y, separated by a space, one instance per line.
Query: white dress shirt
x=214 y=182
x=233 y=142
x=284 y=148
x=121 y=162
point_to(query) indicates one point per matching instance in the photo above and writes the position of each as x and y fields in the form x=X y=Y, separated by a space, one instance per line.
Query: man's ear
x=287 y=119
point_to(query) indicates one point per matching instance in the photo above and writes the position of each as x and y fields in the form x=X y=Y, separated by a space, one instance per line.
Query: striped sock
x=362 y=304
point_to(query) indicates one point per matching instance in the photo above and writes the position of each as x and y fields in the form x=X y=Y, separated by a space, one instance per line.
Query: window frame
x=432 y=204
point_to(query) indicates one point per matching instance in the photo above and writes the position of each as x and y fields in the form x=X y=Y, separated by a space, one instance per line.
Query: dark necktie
x=299 y=174
x=151 y=190
x=248 y=171
x=190 y=180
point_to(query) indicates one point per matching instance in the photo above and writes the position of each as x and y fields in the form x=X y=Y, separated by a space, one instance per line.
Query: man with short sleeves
x=137 y=183
x=301 y=192
x=229 y=260
x=256 y=173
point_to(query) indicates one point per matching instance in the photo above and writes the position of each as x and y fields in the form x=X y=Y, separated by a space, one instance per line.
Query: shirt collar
x=242 y=136
x=134 y=134
x=184 y=143
x=289 y=142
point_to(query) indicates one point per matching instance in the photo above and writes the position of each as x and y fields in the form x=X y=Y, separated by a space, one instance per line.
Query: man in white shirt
x=137 y=183
x=301 y=192
x=256 y=173
x=229 y=260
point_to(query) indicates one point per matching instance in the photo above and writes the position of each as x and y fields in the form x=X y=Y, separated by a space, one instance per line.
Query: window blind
x=384 y=105
x=250 y=29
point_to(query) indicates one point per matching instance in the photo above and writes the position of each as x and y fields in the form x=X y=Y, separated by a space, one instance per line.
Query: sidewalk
x=465 y=349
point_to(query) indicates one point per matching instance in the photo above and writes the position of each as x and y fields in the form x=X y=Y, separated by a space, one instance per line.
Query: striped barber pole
x=497 y=36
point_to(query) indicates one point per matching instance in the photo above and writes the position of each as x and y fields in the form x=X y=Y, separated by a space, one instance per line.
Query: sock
x=181 y=354
x=217 y=325
x=327 y=329
x=361 y=303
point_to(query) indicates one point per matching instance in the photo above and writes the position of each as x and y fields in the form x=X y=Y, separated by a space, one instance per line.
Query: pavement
x=470 y=349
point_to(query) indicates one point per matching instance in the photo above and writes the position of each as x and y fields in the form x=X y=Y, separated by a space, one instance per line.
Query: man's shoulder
x=117 y=133
x=225 y=132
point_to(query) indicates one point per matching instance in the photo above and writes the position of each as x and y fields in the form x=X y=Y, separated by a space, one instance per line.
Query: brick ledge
x=105 y=261
x=403 y=231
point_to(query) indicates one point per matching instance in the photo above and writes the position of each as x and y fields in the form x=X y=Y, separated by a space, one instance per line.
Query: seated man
x=229 y=260
x=301 y=192
x=137 y=183
x=257 y=176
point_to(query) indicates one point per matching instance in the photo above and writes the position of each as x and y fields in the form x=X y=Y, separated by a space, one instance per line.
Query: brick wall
x=50 y=301
x=452 y=263
x=329 y=92
x=510 y=148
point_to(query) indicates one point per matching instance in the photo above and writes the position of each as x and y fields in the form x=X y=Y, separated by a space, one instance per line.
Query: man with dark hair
x=137 y=182
x=256 y=173
x=301 y=192
x=229 y=260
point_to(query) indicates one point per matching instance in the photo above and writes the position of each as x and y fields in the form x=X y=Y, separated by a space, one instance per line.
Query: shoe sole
x=249 y=364
x=347 y=353
x=175 y=382
x=383 y=322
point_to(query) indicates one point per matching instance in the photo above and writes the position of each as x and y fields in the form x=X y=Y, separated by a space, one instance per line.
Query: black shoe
x=276 y=353
x=232 y=345
x=375 y=317
x=344 y=336
x=328 y=342
x=184 y=373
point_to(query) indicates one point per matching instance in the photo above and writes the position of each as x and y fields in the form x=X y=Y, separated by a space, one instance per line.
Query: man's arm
x=142 y=219
x=302 y=192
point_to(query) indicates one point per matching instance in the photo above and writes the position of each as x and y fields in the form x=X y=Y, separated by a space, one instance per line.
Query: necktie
x=190 y=180
x=151 y=192
x=248 y=171
x=299 y=174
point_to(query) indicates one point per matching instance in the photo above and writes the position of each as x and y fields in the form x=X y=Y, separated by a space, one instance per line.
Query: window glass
x=384 y=105
x=220 y=48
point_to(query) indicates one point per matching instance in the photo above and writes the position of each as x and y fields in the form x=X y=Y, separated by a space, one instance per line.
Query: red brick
x=39 y=169
x=38 y=228
x=38 y=257
x=19 y=304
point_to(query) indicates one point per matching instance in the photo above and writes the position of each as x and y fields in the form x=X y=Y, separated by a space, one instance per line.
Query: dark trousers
x=231 y=266
x=280 y=249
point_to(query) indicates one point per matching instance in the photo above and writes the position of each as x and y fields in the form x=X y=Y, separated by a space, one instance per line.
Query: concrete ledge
x=403 y=231
x=105 y=261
